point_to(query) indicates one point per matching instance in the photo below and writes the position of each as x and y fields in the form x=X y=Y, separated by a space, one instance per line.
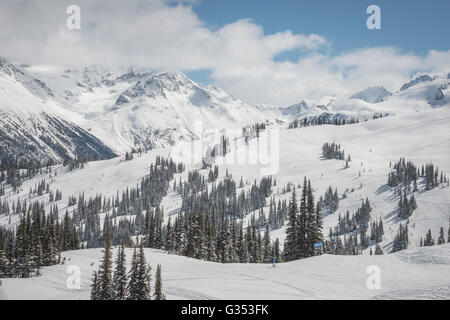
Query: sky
x=264 y=52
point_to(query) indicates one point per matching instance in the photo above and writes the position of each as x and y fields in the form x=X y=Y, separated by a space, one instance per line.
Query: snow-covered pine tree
x=243 y=249
x=139 y=276
x=210 y=229
x=378 y=250
x=276 y=252
x=167 y=243
x=132 y=286
x=441 y=239
x=318 y=235
x=290 y=244
x=251 y=244
x=180 y=235
x=429 y=241
x=143 y=276
x=302 y=246
x=267 y=246
x=3 y=263
x=224 y=242
x=259 y=248
x=159 y=295
x=120 y=278
x=105 y=272
x=95 y=287
x=401 y=239
x=310 y=223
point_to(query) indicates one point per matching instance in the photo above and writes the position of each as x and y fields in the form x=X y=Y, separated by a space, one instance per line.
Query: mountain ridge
x=132 y=107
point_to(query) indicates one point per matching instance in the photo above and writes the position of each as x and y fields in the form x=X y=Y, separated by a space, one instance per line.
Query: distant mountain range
x=100 y=112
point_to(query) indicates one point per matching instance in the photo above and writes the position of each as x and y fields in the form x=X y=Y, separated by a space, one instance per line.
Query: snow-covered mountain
x=126 y=108
x=419 y=79
x=137 y=108
x=421 y=93
x=34 y=126
x=433 y=91
x=121 y=108
x=373 y=94
x=331 y=109
x=295 y=109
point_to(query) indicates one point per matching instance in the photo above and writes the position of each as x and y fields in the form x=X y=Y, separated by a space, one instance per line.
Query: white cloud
x=316 y=75
x=162 y=34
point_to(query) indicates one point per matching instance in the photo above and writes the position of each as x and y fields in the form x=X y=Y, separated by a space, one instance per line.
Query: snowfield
x=162 y=110
x=421 y=137
x=422 y=273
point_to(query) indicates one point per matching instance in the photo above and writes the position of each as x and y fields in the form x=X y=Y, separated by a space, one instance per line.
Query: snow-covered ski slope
x=422 y=273
x=422 y=137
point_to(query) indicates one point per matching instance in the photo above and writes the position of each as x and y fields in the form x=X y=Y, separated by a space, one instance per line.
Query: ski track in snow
x=421 y=273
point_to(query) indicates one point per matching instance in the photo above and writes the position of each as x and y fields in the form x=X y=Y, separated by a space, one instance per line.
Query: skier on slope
x=273 y=262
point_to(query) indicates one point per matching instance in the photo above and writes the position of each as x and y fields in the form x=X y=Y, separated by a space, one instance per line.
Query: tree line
x=304 y=228
x=38 y=241
x=116 y=283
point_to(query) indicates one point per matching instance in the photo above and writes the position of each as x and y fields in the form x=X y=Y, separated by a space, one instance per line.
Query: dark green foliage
x=139 y=276
x=105 y=272
x=120 y=279
x=333 y=151
x=158 y=295
x=401 y=239
x=304 y=226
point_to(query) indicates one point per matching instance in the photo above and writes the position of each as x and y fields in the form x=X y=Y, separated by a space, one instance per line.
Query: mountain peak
x=372 y=94
x=417 y=80
x=174 y=77
x=36 y=86
x=295 y=109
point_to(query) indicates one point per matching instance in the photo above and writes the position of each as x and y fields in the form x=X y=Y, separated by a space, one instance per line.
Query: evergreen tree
x=95 y=287
x=318 y=235
x=3 y=263
x=139 y=283
x=132 y=286
x=211 y=239
x=441 y=239
x=267 y=246
x=310 y=223
x=159 y=295
x=224 y=242
x=378 y=250
x=120 y=275
x=302 y=245
x=401 y=239
x=290 y=244
x=105 y=272
x=276 y=250
x=429 y=241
